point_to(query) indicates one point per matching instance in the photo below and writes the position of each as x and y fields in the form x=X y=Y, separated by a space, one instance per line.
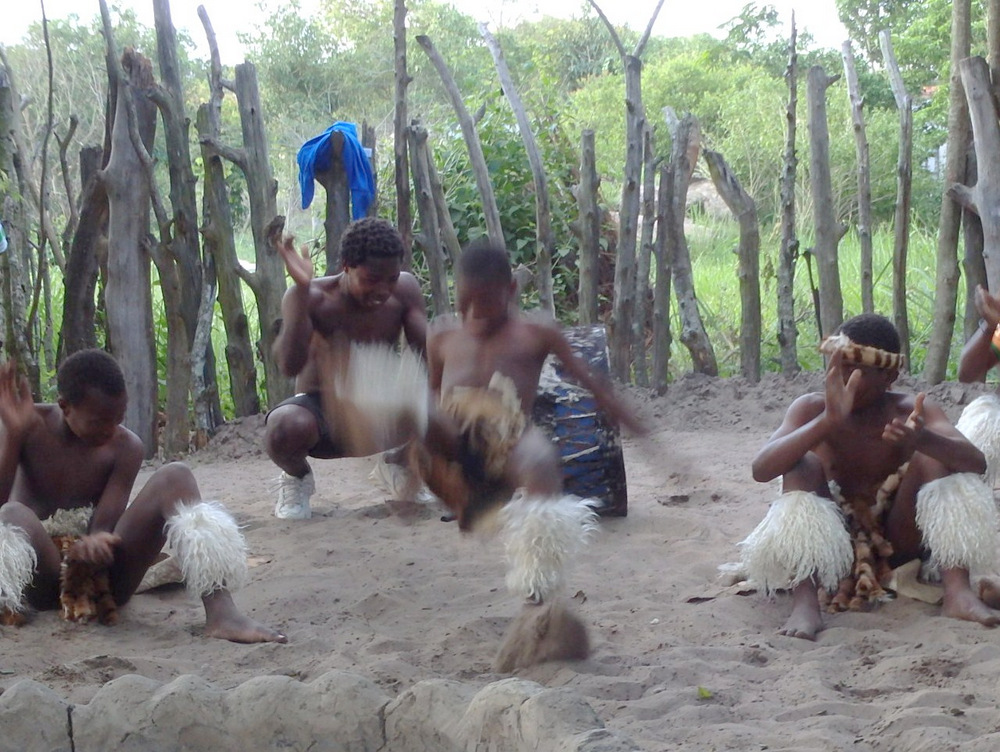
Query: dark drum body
x=590 y=447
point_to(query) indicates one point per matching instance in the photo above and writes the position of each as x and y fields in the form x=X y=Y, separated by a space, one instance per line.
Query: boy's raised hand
x=840 y=395
x=904 y=432
x=17 y=408
x=988 y=306
x=298 y=263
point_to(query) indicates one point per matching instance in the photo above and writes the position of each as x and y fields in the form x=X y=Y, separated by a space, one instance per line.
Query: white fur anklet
x=801 y=536
x=980 y=424
x=958 y=519
x=541 y=534
x=210 y=548
x=17 y=566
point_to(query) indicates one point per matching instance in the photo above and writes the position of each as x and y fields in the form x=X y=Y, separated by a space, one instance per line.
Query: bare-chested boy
x=980 y=421
x=496 y=353
x=854 y=443
x=369 y=301
x=70 y=467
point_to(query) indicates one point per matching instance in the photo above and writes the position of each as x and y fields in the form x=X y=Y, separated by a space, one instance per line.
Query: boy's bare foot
x=967 y=606
x=805 y=621
x=225 y=622
x=989 y=592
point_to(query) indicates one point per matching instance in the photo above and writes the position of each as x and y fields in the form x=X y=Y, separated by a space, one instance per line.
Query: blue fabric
x=315 y=155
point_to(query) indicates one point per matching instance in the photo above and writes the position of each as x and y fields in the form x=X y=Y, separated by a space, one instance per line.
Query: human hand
x=905 y=433
x=298 y=263
x=98 y=548
x=17 y=408
x=840 y=395
x=988 y=307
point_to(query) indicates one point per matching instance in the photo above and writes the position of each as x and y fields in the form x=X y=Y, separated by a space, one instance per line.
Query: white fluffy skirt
x=541 y=535
x=210 y=548
x=958 y=519
x=17 y=566
x=980 y=424
x=802 y=536
x=382 y=395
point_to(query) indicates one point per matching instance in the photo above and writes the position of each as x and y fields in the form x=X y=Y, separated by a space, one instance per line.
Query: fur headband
x=864 y=355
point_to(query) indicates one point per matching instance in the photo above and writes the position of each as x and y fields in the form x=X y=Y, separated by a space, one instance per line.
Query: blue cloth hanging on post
x=314 y=155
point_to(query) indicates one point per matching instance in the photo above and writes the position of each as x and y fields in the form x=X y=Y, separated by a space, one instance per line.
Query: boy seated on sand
x=369 y=301
x=871 y=478
x=68 y=470
x=481 y=447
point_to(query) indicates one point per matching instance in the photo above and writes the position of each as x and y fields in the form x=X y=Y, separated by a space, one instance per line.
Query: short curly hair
x=872 y=329
x=89 y=369
x=483 y=261
x=367 y=238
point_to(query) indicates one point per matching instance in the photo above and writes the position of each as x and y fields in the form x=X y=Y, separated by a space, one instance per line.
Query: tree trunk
x=267 y=281
x=494 y=230
x=904 y=188
x=546 y=241
x=946 y=282
x=623 y=307
x=640 y=321
x=590 y=230
x=400 y=122
x=449 y=238
x=82 y=268
x=128 y=292
x=661 y=292
x=864 y=178
x=984 y=196
x=828 y=232
x=430 y=236
x=338 y=201
x=745 y=210
x=15 y=284
x=788 y=253
x=693 y=336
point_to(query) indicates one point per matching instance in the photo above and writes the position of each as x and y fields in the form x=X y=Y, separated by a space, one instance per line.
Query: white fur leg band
x=980 y=424
x=802 y=536
x=540 y=535
x=958 y=519
x=17 y=566
x=210 y=548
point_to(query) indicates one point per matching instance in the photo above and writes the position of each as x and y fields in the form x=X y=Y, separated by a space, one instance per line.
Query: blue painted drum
x=590 y=446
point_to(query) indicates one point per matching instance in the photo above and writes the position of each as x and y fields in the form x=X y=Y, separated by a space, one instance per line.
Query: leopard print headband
x=864 y=355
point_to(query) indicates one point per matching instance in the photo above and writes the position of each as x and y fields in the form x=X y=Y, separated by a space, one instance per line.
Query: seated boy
x=369 y=301
x=69 y=468
x=484 y=372
x=871 y=478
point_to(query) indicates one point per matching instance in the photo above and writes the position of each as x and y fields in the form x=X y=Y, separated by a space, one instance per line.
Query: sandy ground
x=675 y=665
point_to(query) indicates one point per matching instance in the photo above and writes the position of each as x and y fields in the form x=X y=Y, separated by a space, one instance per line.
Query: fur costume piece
x=801 y=536
x=958 y=519
x=980 y=424
x=542 y=633
x=376 y=397
x=491 y=423
x=17 y=565
x=84 y=588
x=863 y=586
x=210 y=548
x=864 y=355
x=540 y=536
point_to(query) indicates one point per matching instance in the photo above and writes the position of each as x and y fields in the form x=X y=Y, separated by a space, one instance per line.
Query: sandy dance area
x=678 y=662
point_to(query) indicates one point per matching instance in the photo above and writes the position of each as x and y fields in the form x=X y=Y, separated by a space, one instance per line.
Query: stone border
x=338 y=711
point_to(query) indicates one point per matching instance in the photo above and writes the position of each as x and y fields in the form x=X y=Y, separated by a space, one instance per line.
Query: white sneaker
x=396 y=480
x=293 y=496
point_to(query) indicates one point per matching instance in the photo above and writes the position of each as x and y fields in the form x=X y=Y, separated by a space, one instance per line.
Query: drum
x=590 y=447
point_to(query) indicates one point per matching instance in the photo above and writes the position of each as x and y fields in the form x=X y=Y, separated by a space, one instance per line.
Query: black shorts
x=325 y=447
